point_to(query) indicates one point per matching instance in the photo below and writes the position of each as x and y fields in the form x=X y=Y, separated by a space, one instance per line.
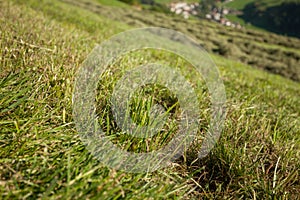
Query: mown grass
x=42 y=46
x=231 y=43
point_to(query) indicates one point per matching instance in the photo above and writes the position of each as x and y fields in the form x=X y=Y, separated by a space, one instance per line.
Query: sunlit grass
x=42 y=45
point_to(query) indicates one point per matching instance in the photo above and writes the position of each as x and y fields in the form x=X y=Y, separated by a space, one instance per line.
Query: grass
x=235 y=18
x=113 y=3
x=240 y=5
x=229 y=42
x=170 y=1
x=42 y=45
x=270 y=15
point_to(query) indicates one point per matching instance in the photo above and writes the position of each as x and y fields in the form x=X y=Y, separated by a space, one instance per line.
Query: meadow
x=42 y=46
x=278 y=16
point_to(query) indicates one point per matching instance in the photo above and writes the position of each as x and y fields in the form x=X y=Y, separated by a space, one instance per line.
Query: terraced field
x=267 y=51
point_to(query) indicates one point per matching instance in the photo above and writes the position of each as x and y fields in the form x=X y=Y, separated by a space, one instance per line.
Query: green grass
x=113 y=3
x=232 y=43
x=170 y=1
x=43 y=43
x=241 y=4
x=238 y=4
x=271 y=15
x=235 y=18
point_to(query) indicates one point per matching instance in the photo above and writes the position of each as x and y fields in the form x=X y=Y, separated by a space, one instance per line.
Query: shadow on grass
x=282 y=19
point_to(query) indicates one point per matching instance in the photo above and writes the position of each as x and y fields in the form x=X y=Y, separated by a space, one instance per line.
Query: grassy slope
x=261 y=16
x=241 y=4
x=113 y=3
x=277 y=54
x=42 y=46
x=170 y=1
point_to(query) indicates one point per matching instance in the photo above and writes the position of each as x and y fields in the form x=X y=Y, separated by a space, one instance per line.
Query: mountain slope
x=42 y=45
x=276 y=16
x=267 y=51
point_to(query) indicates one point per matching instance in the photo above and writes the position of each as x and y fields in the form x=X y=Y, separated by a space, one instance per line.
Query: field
x=271 y=15
x=170 y=1
x=42 y=46
x=113 y=3
x=240 y=5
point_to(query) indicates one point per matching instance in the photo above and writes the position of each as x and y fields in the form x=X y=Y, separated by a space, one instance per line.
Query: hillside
x=276 y=54
x=42 y=46
x=272 y=15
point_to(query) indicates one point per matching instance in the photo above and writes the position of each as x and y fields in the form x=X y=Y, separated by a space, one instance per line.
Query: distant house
x=185 y=9
x=216 y=14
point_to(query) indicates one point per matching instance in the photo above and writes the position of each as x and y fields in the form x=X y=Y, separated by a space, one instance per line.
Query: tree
x=207 y=5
